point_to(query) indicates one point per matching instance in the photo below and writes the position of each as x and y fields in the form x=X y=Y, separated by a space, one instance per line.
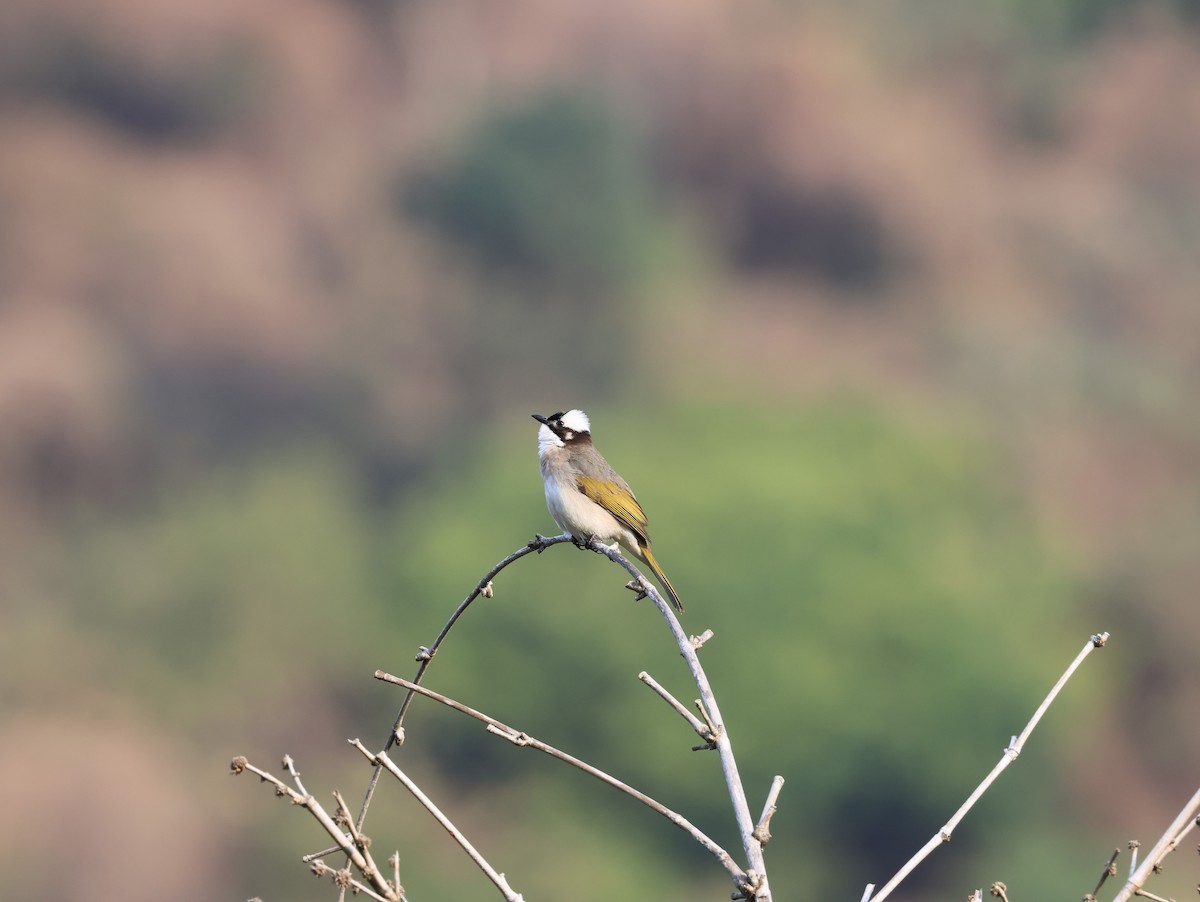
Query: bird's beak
x=545 y=421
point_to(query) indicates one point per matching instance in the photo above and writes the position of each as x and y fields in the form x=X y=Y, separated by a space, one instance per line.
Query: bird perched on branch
x=587 y=497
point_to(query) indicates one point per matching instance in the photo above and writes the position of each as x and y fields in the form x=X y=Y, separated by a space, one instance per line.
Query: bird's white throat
x=547 y=440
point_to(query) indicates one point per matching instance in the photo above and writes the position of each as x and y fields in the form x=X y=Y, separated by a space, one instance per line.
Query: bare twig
x=425 y=655
x=1110 y=870
x=344 y=880
x=704 y=731
x=380 y=888
x=1180 y=827
x=522 y=739
x=394 y=862
x=381 y=760
x=757 y=870
x=762 y=830
x=1010 y=755
x=1146 y=894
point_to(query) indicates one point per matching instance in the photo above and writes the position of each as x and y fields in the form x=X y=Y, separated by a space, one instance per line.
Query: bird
x=588 y=498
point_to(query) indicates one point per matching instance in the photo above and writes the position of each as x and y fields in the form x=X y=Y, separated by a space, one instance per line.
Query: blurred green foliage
x=555 y=188
x=1075 y=21
x=223 y=584
x=1027 y=25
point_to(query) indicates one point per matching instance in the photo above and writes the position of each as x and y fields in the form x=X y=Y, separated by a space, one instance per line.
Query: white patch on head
x=547 y=439
x=577 y=421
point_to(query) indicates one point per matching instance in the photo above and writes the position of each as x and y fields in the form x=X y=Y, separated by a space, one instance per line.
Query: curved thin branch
x=425 y=656
x=754 y=885
x=520 y=738
x=758 y=887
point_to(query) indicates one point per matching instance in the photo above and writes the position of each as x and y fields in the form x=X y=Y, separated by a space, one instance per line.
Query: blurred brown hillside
x=384 y=231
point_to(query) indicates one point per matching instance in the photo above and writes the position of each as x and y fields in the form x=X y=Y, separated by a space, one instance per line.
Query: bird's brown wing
x=618 y=500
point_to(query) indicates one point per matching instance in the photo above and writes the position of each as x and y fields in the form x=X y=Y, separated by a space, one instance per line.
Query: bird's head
x=559 y=429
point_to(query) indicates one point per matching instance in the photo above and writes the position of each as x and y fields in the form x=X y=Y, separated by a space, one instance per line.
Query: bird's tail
x=648 y=557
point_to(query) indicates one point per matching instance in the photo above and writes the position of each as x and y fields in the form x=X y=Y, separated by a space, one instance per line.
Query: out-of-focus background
x=887 y=310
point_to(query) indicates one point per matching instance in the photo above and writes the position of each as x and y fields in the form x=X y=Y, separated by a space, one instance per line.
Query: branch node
x=488 y=591
x=697 y=642
x=714 y=733
x=748 y=888
x=1100 y=640
x=702 y=730
x=639 y=587
x=517 y=738
x=424 y=653
x=762 y=830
